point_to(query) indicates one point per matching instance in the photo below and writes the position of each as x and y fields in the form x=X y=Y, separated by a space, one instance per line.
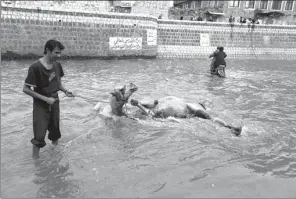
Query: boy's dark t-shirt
x=45 y=82
x=220 y=55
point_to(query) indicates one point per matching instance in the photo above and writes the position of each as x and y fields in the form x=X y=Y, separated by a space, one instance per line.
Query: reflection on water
x=54 y=180
x=99 y=157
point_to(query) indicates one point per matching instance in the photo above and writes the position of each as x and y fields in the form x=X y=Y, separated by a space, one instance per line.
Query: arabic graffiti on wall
x=204 y=39
x=266 y=40
x=151 y=37
x=125 y=43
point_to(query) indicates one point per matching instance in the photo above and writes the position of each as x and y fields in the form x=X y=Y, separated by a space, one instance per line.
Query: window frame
x=192 y=5
x=215 y=2
x=271 y=8
x=292 y=6
x=248 y=1
x=186 y=5
x=263 y=1
x=231 y=4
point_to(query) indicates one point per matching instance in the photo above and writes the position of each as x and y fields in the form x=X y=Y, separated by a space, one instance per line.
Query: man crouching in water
x=218 y=63
x=120 y=97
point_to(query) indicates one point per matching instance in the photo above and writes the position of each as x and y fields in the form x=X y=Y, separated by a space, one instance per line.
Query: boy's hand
x=69 y=94
x=50 y=100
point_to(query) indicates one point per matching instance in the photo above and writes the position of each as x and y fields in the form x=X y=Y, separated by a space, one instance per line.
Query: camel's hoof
x=238 y=130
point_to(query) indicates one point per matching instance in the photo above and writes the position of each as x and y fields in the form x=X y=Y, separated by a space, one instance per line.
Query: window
x=263 y=4
x=250 y=4
x=111 y=2
x=289 y=5
x=197 y=3
x=276 y=5
x=233 y=3
x=213 y=3
x=188 y=5
x=185 y=5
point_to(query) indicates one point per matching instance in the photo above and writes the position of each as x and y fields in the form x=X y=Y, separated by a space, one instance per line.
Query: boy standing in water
x=44 y=75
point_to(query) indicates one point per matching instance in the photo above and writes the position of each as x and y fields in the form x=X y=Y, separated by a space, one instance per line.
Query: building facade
x=267 y=11
x=281 y=12
x=151 y=8
x=197 y=4
x=189 y=9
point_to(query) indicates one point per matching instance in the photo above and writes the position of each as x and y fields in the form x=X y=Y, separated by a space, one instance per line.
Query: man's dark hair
x=52 y=44
x=219 y=47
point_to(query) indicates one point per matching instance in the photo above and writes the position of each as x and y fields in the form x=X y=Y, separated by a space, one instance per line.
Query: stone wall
x=199 y=39
x=24 y=32
x=87 y=34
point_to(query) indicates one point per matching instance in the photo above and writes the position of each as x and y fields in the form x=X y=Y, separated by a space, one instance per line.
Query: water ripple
x=98 y=157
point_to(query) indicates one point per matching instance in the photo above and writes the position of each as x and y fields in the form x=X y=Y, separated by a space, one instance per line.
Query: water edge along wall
x=109 y=35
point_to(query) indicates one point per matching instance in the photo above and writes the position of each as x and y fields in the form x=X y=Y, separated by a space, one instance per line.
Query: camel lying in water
x=169 y=106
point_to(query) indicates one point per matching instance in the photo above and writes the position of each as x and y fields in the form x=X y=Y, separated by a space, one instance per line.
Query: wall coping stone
x=83 y=13
x=221 y=24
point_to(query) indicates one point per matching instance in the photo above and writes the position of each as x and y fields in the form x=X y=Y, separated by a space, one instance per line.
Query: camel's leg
x=203 y=105
x=181 y=116
x=151 y=105
x=237 y=130
x=194 y=107
x=197 y=111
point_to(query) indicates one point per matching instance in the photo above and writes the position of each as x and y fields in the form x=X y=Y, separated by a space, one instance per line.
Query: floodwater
x=98 y=157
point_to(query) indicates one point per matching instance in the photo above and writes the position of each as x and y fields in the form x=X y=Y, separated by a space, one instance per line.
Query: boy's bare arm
x=62 y=88
x=68 y=93
x=32 y=93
